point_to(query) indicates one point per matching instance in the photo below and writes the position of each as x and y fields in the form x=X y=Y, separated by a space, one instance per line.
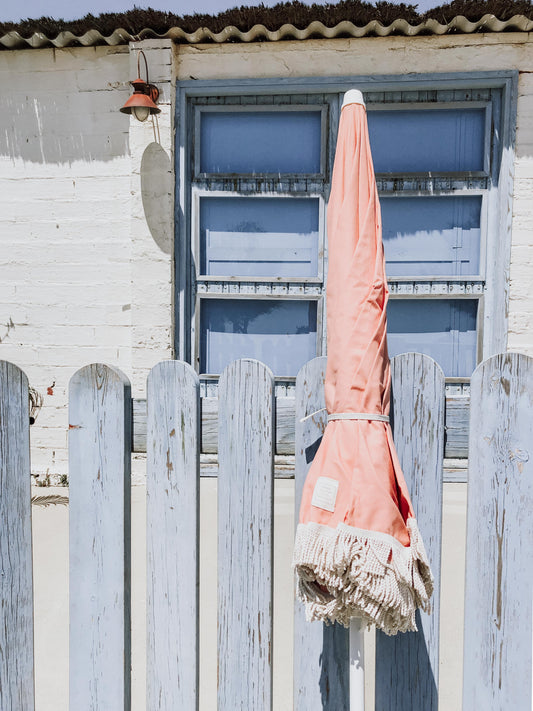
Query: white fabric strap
x=312 y=414
x=357 y=416
x=348 y=416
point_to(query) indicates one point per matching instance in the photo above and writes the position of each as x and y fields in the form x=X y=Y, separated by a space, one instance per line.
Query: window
x=434 y=235
x=254 y=186
x=259 y=176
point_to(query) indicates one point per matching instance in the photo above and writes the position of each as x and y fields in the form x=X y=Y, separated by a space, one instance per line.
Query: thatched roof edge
x=286 y=21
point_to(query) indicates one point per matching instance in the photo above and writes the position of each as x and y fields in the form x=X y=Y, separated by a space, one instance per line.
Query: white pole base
x=357 y=665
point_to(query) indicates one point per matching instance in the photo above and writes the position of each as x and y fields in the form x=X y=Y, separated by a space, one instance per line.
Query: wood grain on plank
x=284 y=414
x=245 y=516
x=321 y=652
x=16 y=577
x=499 y=575
x=172 y=490
x=99 y=529
x=407 y=665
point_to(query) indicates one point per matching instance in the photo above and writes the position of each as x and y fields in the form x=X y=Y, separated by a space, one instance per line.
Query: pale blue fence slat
x=321 y=652
x=99 y=474
x=245 y=514
x=407 y=664
x=173 y=462
x=499 y=574
x=16 y=580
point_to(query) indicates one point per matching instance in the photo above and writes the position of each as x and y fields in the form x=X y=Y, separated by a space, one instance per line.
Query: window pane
x=441 y=140
x=273 y=237
x=260 y=142
x=442 y=329
x=431 y=236
x=282 y=334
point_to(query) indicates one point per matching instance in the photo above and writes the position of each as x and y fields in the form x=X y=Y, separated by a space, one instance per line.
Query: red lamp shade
x=142 y=102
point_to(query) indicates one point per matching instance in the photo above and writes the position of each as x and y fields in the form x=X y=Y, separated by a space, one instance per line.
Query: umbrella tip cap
x=353 y=96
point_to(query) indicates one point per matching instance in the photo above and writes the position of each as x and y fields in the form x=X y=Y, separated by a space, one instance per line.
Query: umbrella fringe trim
x=350 y=572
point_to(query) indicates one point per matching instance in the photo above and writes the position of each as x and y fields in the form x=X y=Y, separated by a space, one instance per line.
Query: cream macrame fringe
x=349 y=572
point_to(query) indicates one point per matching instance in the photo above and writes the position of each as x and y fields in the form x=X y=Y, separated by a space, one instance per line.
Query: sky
x=74 y=9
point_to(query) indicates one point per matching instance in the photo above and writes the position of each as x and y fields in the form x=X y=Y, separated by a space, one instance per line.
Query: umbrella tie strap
x=357 y=416
x=349 y=416
x=312 y=414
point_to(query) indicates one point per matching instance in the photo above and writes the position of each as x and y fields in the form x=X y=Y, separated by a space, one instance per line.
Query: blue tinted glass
x=273 y=237
x=441 y=140
x=282 y=334
x=431 y=236
x=442 y=329
x=260 y=142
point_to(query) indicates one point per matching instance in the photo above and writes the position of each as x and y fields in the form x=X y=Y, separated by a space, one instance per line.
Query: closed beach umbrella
x=358 y=551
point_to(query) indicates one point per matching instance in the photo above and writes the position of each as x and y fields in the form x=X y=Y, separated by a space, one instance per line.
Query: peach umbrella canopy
x=358 y=551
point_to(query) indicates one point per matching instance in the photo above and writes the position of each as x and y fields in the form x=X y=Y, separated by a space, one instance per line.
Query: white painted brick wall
x=520 y=337
x=72 y=219
x=152 y=220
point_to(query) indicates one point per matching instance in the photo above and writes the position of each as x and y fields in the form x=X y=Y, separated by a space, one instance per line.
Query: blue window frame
x=258 y=159
x=437 y=140
x=445 y=329
x=281 y=333
x=268 y=140
x=259 y=236
x=259 y=178
x=432 y=236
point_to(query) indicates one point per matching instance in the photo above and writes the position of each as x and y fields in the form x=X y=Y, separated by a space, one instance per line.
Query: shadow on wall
x=62 y=125
x=157 y=188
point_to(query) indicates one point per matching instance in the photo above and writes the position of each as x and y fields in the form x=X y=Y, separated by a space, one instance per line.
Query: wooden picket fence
x=498 y=614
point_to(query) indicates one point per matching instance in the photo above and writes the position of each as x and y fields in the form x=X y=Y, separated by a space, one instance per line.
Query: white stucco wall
x=521 y=273
x=65 y=245
x=152 y=220
x=86 y=225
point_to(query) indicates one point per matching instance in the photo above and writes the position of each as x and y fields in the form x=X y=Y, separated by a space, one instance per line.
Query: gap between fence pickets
x=455 y=471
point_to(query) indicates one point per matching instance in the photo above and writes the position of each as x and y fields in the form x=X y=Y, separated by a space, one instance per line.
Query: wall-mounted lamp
x=142 y=102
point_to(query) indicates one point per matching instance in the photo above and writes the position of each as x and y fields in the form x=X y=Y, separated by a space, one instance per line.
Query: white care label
x=325 y=493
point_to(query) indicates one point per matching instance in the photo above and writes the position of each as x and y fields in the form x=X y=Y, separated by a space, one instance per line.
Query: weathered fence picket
x=16 y=578
x=245 y=516
x=99 y=531
x=172 y=490
x=407 y=665
x=499 y=575
x=498 y=651
x=321 y=661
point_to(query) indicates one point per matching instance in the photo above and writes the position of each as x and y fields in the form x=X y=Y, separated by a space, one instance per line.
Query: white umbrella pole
x=357 y=665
